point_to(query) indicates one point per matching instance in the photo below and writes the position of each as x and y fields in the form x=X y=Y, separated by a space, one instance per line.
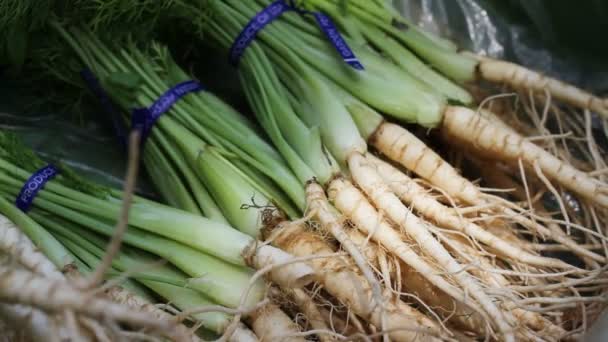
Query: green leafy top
x=14 y=151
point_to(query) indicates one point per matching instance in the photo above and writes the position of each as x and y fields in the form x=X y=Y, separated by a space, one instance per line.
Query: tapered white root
x=318 y=204
x=400 y=145
x=296 y=274
x=35 y=324
x=312 y=313
x=476 y=131
x=525 y=318
x=121 y=296
x=415 y=283
x=403 y=147
x=382 y=197
x=352 y=203
x=23 y=287
x=270 y=323
x=14 y=243
x=521 y=78
x=411 y=193
x=352 y=289
x=422 y=277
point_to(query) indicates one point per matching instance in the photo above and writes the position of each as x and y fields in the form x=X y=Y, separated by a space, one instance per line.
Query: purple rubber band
x=144 y=118
x=33 y=185
x=275 y=10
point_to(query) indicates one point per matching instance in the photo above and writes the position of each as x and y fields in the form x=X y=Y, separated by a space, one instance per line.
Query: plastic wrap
x=91 y=150
x=526 y=32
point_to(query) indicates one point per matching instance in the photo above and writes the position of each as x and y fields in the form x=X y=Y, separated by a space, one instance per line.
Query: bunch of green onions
x=73 y=247
x=203 y=156
x=211 y=253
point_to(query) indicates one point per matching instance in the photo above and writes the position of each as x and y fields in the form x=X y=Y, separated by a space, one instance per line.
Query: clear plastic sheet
x=486 y=27
x=91 y=150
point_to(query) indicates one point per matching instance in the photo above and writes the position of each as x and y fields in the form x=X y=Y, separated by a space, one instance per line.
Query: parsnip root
x=23 y=287
x=270 y=323
x=14 y=243
x=400 y=145
x=121 y=296
x=312 y=313
x=371 y=183
x=522 y=78
x=415 y=283
x=318 y=204
x=475 y=131
x=351 y=288
x=296 y=274
x=350 y=201
x=413 y=194
x=403 y=147
x=35 y=324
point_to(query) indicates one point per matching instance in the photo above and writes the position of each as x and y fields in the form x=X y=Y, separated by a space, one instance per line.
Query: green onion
x=183 y=138
x=200 y=247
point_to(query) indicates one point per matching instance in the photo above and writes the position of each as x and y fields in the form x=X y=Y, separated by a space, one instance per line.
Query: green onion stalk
x=391 y=35
x=288 y=73
x=73 y=248
x=200 y=247
x=383 y=27
x=64 y=259
x=163 y=279
x=204 y=157
x=384 y=86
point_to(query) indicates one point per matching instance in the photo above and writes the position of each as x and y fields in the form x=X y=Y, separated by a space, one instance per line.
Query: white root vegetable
x=400 y=145
x=382 y=197
x=36 y=325
x=14 y=243
x=312 y=313
x=403 y=147
x=528 y=318
x=352 y=289
x=336 y=323
x=23 y=287
x=243 y=334
x=270 y=323
x=413 y=194
x=351 y=202
x=318 y=204
x=121 y=296
x=476 y=131
x=296 y=274
x=415 y=283
x=522 y=78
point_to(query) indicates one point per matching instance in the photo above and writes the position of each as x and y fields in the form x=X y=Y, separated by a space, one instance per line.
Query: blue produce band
x=33 y=185
x=275 y=10
x=119 y=126
x=144 y=118
x=336 y=39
